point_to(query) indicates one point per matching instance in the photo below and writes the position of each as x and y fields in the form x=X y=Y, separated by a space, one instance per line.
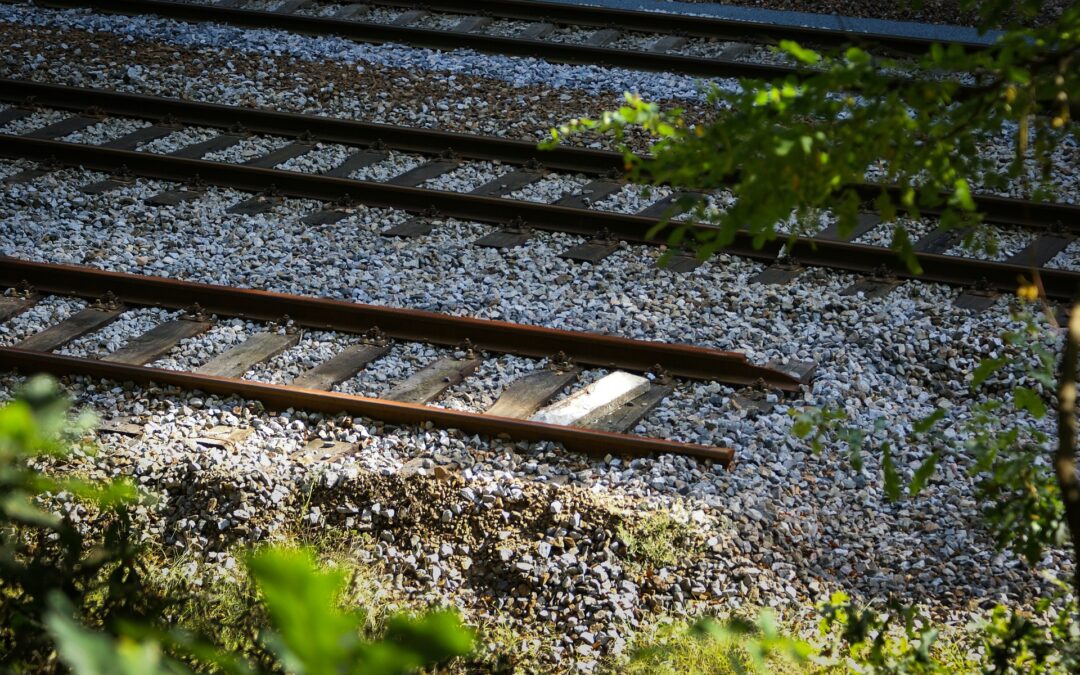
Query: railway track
x=1055 y=224
x=650 y=41
x=592 y=418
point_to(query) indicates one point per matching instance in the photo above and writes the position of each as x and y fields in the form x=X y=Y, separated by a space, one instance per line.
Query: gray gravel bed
x=1064 y=181
x=550 y=188
x=396 y=164
x=882 y=235
x=785 y=527
x=321 y=9
x=468 y=176
x=33 y=121
x=479 y=391
x=324 y=157
x=402 y=360
x=47 y=312
x=314 y=348
x=1069 y=259
x=765 y=55
x=570 y=34
x=632 y=199
x=437 y=21
x=995 y=244
x=181 y=138
x=634 y=41
x=893 y=358
x=244 y=90
x=519 y=71
x=382 y=14
x=131 y=323
x=195 y=351
x=247 y=149
x=12 y=167
x=506 y=27
x=104 y=131
x=690 y=411
x=262 y=5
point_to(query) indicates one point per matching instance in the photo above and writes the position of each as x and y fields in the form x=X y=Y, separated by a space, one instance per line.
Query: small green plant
x=897 y=640
x=657 y=540
x=41 y=552
x=55 y=582
x=710 y=645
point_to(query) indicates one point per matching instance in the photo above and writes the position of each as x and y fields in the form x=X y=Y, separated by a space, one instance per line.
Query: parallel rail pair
x=350 y=23
x=1055 y=224
x=125 y=291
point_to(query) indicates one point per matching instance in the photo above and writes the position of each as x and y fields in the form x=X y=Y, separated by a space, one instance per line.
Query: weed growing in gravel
x=657 y=540
x=97 y=604
x=790 y=149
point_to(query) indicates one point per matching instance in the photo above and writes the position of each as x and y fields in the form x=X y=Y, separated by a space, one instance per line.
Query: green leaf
x=924 y=424
x=985 y=369
x=435 y=637
x=923 y=473
x=17 y=507
x=962 y=195
x=807 y=56
x=892 y=478
x=312 y=635
x=1027 y=399
x=88 y=653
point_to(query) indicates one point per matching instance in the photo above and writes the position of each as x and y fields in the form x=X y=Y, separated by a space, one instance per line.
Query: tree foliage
x=790 y=150
x=858 y=131
x=56 y=579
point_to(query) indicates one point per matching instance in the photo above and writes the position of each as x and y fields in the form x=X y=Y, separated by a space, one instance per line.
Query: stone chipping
x=521 y=532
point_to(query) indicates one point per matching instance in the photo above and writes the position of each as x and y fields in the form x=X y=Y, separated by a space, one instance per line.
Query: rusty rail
x=590 y=349
x=280 y=397
x=859 y=258
x=997 y=210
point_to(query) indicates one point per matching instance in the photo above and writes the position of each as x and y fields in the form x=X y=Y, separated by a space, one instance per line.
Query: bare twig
x=1065 y=457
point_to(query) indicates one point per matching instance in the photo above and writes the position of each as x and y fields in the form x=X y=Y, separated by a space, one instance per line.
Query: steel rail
x=590 y=349
x=662 y=23
x=677 y=24
x=320 y=127
x=281 y=397
x=952 y=270
x=997 y=210
x=379 y=33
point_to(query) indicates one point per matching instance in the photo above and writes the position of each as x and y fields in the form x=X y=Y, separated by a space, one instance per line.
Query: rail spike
x=195 y=312
x=23 y=290
x=469 y=348
x=108 y=302
x=375 y=336
x=662 y=375
x=883 y=273
x=518 y=226
x=285 y=323
x=560 y=362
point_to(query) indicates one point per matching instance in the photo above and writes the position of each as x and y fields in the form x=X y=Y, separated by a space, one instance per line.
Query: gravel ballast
x=854 y=342
x=782 y=527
